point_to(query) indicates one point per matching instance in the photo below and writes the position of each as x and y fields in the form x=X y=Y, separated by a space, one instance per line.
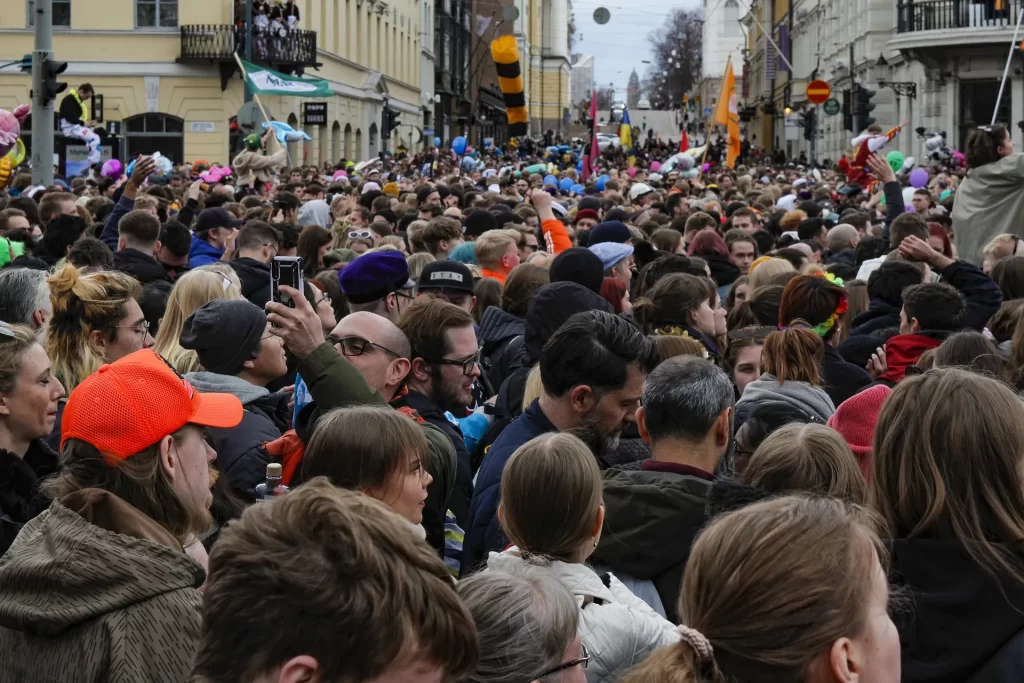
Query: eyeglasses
x=402 y=295
x=582 y=661
x=360 y=235
x=357 y=346
x=468 y=364
x=144 y=325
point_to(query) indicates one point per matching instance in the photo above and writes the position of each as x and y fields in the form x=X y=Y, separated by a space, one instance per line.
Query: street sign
x=818 y=91
x=707 y=111
x=832 y=107
x=314 y=113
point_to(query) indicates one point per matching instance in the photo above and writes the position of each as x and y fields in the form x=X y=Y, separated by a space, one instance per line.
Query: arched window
x=294 y=148
x=372 y=152
x=731 y=19
x=149 y=133
x=335 y=142
x=349 y=149
x=358 y=153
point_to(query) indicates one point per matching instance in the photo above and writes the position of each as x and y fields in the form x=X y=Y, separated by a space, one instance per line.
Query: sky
x=621 y=45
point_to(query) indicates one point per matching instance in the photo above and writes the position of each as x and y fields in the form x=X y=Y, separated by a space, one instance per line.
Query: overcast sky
x=621 y=45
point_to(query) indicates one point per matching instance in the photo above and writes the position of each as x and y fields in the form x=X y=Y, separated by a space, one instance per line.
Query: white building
x=582 y=83
x=722 y=38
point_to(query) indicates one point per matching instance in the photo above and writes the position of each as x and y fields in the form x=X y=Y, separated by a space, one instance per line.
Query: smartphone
x=287 y=271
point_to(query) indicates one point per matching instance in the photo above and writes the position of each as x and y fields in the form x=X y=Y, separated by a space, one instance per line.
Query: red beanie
x=855 y=419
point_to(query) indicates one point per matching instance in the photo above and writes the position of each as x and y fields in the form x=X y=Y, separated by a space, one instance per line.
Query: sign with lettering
x=314 y=114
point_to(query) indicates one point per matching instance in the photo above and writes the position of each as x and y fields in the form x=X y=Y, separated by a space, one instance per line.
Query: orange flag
x=727 y=114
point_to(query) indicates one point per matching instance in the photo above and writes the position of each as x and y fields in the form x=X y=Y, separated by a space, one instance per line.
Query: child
x=866 y=144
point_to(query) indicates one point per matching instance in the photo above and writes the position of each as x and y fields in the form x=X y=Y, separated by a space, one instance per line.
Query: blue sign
x=707 y=111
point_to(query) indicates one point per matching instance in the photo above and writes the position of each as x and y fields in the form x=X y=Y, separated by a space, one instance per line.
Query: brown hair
x=670 y=301
x=140 y=228
x=311 y=239
x=699 y=221
x=49 y=206
x=520 y=286
x=983 y=145
x=376 y=441
x=487 y=291
x=905 y=225
x=550 y=494
x=438 y=229
x=425 y=323
x=670 y=346
x=951 y=468
x=812 y=299
x=807 y=457
x=794 y=355
x=790 y=220
x=334 y=575
x=1003 y=322
x=818 y=552
x=666 y=239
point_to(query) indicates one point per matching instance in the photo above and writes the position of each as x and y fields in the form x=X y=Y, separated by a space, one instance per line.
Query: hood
x=254 y=275
x=878 y=316
x=498 y=325
x=316 y=212
x=903 y=350
x=723 y=271
x=578 y=578
x=89 y=554
x=810 y=399
x=212 y=383
x=140 y=265
x=961 y=615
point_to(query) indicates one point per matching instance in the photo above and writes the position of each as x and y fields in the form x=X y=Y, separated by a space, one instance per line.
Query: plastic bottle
x=272 y=486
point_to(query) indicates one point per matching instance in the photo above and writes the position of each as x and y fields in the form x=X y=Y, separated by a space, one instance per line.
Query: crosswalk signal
x=51 y=86
x=808 y=123
x=863 y=106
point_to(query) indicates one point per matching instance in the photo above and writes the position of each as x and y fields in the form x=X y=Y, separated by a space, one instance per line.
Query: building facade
x=722 y=37
x=549 y=101
x=452 y=47
x=166 y=71
x=582 y=83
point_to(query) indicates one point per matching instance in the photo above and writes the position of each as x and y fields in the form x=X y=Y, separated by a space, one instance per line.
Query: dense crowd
x=682 y=425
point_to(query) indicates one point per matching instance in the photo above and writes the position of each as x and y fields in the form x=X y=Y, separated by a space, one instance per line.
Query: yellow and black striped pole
x=505 y=52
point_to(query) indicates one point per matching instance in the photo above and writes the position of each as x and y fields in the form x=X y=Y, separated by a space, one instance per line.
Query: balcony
x=939 y=24
x=290 y=52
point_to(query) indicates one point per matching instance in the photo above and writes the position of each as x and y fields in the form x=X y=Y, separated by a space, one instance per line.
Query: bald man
x=376 y=347
x=842 y=241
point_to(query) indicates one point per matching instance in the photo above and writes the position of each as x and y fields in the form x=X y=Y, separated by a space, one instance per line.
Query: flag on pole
x=684 y=144
x=626 y=137
x=727 y=114
x=264 y=81
x=590 y=159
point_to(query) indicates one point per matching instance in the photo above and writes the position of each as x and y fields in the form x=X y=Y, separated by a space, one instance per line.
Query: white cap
x=799 y=182
x=639 y=189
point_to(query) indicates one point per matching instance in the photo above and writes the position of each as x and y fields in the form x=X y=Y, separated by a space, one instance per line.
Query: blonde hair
x=1000 y=246
x=492 y=245
x=817 y=553
x=417 y=262
x=192 y=290
x=550 y=495
x=534 y=387
x=670 y=346
x=766 y=270
x=83 y=304
x=12 y=348
x=811 y=458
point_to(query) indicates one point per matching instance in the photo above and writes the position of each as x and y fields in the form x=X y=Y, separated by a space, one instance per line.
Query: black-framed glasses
x=581 y=661
x=468 y=364
x=404 y=295
x=357 y=346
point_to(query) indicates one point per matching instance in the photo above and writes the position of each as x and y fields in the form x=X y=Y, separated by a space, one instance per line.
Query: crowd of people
x=753 y=424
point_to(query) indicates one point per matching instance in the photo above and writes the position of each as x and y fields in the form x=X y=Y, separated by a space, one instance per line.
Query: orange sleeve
x=555 y=236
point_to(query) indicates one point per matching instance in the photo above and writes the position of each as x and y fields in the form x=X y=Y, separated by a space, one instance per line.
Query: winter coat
x=963 y=625
x=143 y=267
x=95 y=591
x=846 y=257
x=988 y=202
x=20 y=498
x=255 y=278
x=497 y=334
x=871 y=330
x=252 y=165
x=483 y=532
x=723 y=271
x=800 y=395
x=652 y=517
x=841 y=380
x=202 y=253
x=618 y=629
x=241 y=456
x=904 y=350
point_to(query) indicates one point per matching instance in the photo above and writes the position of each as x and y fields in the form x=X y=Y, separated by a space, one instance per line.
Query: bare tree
x=676 y=59
x=606 y=96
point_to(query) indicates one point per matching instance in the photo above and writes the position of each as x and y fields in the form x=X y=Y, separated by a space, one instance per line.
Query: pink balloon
x=632 y=172
x=111 y=169
x=655 y=166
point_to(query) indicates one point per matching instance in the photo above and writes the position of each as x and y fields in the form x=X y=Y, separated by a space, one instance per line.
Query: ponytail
x=794 y=354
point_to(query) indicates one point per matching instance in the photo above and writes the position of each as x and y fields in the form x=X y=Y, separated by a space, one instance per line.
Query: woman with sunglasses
x=990 y=200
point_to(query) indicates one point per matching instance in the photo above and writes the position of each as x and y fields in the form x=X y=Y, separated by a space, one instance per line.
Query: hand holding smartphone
x=285 y=270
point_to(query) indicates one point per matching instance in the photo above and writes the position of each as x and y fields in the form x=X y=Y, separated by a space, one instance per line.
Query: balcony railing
x=937 y=15
x=218 y=42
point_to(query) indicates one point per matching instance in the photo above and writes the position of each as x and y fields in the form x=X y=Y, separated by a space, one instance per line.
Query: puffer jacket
x=95 y=591
x=801 y=395
x=241 y=456
x=618 y=628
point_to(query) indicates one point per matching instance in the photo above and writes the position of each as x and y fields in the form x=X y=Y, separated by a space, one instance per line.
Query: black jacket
x=963 y=624
x=20 y=498
x=723 y=271
x=497 y=333
x=870 y=330
x=255 y=277
x=143 y=267
x=847 y=257
x=432 y=414
x=841 y=379
x=71 y=110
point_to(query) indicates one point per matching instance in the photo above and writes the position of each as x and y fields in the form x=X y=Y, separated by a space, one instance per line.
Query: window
x=61 y=13
x=156 y=13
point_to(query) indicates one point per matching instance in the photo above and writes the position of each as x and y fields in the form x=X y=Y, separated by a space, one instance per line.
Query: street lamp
x=788 y=111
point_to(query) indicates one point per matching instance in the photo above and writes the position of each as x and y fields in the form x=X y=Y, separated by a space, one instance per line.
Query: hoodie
x=810 y=399
x=498 y=330
x=141 y=266
x=241 y=456
x=963 y=625
x=202 y=253
x=94 y=590
x=255 y=278
x=315 y=212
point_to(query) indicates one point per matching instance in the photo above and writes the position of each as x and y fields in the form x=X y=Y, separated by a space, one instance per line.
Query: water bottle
x=272 y=487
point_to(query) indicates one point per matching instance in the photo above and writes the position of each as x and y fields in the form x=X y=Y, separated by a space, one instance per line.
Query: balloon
x=918 y=177
x=895 y=159
x=686 y=162
x=908 y=164
x=338 y=175
x=601 y=181
x=469 y=150
x=908 y=197
x=945 y=193
x=459 y=145
x=17 y=153
x=959 y=157
x=692 y=173
x=579 y=166
x=550 y=180
x=655 y=166
x=631 y=171
x=565 y=184
x=111 y=169
x=536 y=168
x=437 y=141
x=131 y=168
x=705 y=168
x=577 y=189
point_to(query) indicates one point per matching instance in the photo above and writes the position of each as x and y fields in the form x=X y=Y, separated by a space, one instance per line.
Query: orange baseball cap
x=129 y=405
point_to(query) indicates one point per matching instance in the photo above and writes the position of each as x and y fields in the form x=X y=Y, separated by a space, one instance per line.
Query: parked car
x=606 y=140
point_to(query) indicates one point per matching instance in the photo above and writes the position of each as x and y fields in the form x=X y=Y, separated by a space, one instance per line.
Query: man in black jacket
x=445 y=364
x=654 y=514
x=138 y=240
x=257 y=243
x=74 y=120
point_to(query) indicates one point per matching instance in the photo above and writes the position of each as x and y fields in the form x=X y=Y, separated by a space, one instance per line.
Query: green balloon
x=895 y=159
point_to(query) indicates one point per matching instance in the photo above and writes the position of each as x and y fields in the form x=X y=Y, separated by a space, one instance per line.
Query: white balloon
x=908 y=196
x=686 y=163
x=908 y=164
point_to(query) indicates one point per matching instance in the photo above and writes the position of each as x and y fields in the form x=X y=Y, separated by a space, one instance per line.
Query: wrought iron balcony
x=945 y=15
x=288 y=50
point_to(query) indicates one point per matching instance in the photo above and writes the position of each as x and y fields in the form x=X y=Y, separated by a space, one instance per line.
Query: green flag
x=264 y=81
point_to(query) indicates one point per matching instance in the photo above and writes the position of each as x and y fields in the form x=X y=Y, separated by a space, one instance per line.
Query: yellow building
x=548 y=69
x=166 y=70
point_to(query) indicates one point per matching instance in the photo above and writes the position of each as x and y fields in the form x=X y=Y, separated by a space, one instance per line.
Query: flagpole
x=707 y=139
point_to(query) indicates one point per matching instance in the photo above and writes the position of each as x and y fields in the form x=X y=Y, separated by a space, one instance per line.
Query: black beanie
x=478 y=222
x=552 y=305
x=578 y=265
x=225 y=334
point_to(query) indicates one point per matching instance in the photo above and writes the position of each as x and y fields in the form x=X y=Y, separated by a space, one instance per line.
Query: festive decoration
x=459 y=145
x=565 y=184
x=918 y=178
x=825 y=327
x=10 y=127
x=505 y=52
x=111 y=169
x=895 y=160
x=285 y=133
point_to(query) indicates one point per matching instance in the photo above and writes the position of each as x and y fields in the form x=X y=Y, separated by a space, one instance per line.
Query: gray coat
x=989 y=202
x=801 y=395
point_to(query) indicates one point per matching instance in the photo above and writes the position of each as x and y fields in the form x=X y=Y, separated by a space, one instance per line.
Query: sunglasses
x=357 y=346
x=360 y=235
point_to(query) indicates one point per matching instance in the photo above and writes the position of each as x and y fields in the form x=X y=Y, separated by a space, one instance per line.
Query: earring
x=595 y=542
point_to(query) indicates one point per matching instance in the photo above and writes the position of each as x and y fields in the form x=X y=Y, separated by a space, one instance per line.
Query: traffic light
x=392 y=119
x=808 y=122
x=863 y=106
x=847 y=112
x=51 y=86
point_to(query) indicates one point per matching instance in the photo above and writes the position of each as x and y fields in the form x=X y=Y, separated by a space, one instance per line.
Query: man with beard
x=445 y=362
x=592 y=371
x=652 y=515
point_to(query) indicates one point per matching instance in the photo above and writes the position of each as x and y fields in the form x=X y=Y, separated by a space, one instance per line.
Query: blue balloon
x=577 y=189
x=131 y=167
x=601 y=181
x=437 y=141
x=459 y=145
x=565 y=184
x=550 y=180
x=579 y=166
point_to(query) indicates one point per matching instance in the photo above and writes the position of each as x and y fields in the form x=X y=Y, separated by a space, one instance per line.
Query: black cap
x=216 y=218
x=578 y=265
x=478 y=222
x=220 y=353
x=446 y=275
